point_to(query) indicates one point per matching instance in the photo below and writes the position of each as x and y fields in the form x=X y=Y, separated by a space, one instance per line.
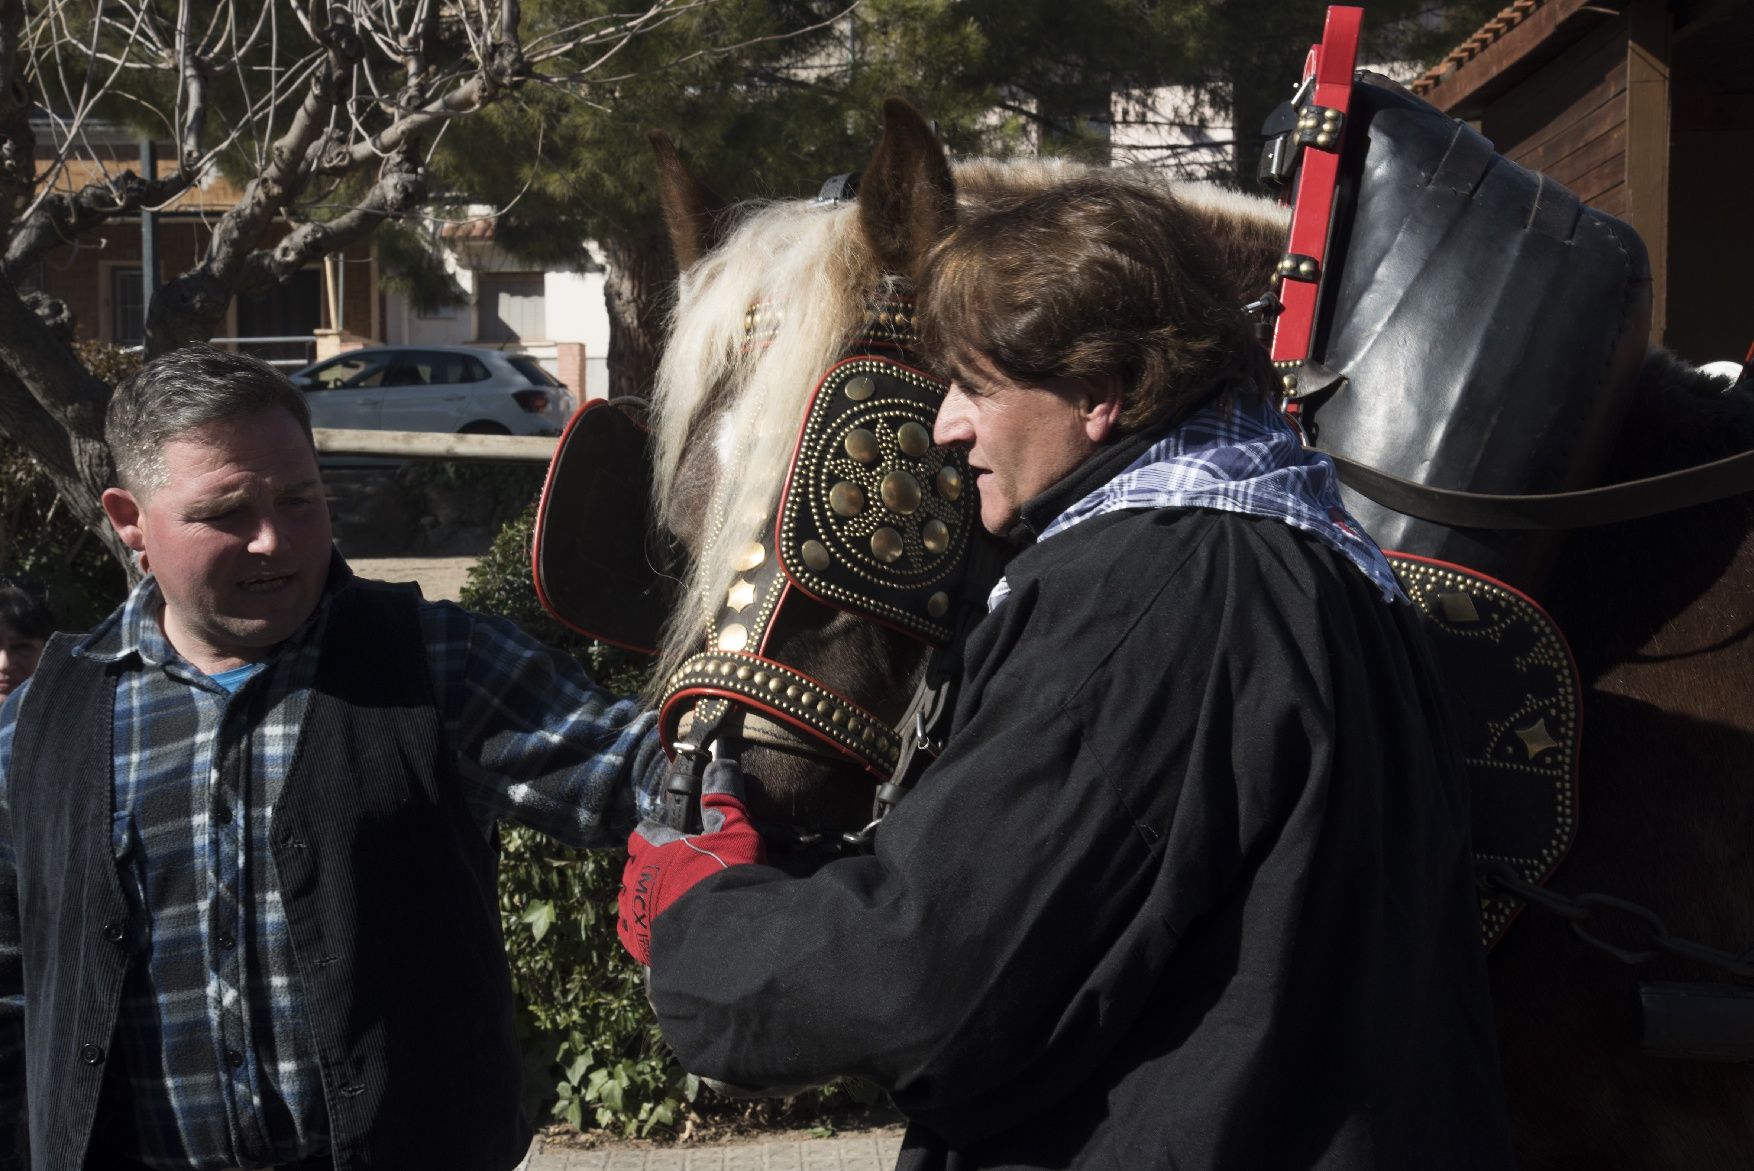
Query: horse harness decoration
x=1398 y=211
x=873 y=520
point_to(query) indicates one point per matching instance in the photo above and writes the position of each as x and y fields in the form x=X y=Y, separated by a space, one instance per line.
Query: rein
x=1609 y=504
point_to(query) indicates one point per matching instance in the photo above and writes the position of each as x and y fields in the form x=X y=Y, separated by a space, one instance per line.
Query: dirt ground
x=440 y=578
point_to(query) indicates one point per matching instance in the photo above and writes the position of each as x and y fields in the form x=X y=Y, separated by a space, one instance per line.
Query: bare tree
x=324 y=113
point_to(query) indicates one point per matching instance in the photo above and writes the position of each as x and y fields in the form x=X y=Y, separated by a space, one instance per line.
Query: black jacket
x=389 y=890
x=1189 y=888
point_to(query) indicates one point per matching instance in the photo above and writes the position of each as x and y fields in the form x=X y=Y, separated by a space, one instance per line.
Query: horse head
x=810 y=653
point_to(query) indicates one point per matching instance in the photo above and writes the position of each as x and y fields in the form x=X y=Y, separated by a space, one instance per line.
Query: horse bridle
x=874 y=520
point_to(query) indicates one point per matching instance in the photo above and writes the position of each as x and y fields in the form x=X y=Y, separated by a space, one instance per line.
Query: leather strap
x=1610 y=504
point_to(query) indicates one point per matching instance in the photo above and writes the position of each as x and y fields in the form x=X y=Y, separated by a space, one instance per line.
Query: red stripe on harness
x=1331 y=63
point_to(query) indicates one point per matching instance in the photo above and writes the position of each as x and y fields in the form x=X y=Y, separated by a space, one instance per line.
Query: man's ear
x=1102 y=406
x=124 y=513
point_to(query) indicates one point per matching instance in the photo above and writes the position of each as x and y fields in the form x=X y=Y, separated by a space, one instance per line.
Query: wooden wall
x=1569 y=120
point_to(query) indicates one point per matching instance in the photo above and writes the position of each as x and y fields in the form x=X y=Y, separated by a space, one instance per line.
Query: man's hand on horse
x=663 y=864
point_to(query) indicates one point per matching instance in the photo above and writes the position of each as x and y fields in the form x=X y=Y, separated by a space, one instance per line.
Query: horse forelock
x=727 y=406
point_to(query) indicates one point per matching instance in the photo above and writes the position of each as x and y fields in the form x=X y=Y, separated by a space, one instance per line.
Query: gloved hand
x=663 y=864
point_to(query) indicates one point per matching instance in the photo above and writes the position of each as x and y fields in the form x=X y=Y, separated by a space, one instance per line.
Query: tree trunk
x=637 y=289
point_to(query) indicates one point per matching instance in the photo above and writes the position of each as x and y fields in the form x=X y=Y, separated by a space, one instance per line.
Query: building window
x=512 y=307
x=127 y=307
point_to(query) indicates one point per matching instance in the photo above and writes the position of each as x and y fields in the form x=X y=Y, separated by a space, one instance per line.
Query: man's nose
x=268 y=537
x=953 y=424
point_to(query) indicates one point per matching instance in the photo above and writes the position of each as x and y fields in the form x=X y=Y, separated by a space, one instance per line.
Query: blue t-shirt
x=235 y=678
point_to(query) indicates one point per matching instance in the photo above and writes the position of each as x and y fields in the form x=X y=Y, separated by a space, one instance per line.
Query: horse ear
x=694 y=214
x=907 y=199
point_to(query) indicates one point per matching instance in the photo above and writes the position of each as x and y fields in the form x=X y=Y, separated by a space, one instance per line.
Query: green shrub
x=592 y=1046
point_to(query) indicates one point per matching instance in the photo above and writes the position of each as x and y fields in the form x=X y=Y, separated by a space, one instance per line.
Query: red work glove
x=662 y=863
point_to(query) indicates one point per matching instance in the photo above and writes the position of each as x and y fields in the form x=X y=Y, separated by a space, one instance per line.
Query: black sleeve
x=1025 y=901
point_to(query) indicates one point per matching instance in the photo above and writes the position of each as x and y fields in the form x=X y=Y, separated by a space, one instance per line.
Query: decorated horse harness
x=874 y=520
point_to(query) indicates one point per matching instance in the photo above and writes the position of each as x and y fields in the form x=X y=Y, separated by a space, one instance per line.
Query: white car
x=435 y=388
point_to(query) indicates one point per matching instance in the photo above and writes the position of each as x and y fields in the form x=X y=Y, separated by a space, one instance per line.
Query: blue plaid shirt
x=217 y=1048
x=1236 y=455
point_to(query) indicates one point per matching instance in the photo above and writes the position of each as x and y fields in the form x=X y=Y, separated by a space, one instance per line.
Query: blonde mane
x=727 y=406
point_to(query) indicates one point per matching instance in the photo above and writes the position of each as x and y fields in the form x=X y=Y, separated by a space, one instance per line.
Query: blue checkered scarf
x=1236 y=456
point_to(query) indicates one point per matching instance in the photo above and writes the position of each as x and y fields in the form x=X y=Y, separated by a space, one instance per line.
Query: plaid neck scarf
x=1240 y=457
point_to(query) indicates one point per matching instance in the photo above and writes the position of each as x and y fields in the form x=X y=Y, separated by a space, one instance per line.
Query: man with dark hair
x=248 y=914
x=25 y=625
x=1190 y=885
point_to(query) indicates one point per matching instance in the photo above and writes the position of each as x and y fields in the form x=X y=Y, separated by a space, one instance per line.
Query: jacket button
x=114 y=932
x=234 y=1058
x=91 y=1054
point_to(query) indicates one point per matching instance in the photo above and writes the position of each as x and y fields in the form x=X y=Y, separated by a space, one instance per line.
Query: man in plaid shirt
x=247 y=826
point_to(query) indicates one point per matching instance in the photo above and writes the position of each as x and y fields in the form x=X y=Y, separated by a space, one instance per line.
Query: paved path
x=440 y=578
x=868 y=1151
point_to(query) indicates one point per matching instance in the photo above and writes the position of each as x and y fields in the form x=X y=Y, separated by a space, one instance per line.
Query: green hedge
x=593 y=1053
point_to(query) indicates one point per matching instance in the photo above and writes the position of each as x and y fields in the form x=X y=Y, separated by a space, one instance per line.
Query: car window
x=451 y=368
x=348 y=370
x=532 y=369
x=405 y=374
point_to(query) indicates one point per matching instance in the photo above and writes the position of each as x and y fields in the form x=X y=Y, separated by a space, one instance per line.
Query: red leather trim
x=669 y=717
x=1331 y=63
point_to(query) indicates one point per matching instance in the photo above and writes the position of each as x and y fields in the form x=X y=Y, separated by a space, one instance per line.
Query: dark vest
x=389 y=890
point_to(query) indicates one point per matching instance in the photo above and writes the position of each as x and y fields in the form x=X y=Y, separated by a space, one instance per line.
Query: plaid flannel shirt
x=214 y=1038
x=1241 y=456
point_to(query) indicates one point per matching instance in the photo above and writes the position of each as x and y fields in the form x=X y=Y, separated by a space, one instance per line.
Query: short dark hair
x=24 y=610
x=184 y=390
x=1107 y=274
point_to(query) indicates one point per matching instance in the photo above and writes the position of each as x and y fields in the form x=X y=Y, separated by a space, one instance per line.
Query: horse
x=1660 y=613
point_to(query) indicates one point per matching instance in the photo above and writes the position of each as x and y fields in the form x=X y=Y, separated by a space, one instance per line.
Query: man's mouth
x=265 y=585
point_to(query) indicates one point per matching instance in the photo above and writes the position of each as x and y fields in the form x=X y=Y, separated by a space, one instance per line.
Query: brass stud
x=744 y=673
x=792 y=692
x=938 y=604
x=838 y=717
x=846 y=498
x=1325 y=138
x=950 y=481
x=861 y=388
x=808 y=699
x=886 y=545
x=853 y=726
x=935 y=535
x=751 y=556
x=862 y=445
x=914 y=439
x=1306 y=269
x=869 y=736
x=900 y=492
x=760 y=678
x=816 y=555
x=775 y=684
x=726 y=668
x=823 y=708
x=1289 y=382
x=734 y=638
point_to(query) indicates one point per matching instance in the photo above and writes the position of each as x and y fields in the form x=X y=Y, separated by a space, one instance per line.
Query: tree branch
x=400 y=190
